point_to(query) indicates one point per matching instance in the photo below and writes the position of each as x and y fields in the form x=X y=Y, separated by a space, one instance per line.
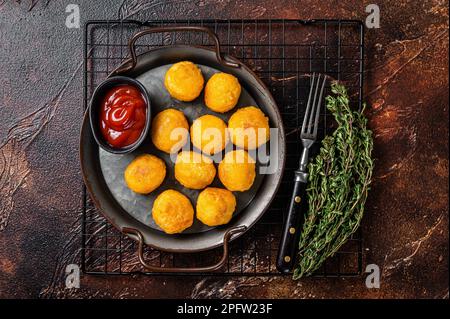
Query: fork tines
x=311 y=119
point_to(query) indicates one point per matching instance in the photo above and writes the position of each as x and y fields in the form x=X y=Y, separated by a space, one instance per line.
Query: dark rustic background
x=406 y=222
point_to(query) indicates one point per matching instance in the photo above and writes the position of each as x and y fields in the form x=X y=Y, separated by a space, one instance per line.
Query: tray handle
x=226 y=240
x=132 y=48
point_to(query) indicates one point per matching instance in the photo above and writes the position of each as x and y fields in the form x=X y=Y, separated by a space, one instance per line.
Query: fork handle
x=292 y=224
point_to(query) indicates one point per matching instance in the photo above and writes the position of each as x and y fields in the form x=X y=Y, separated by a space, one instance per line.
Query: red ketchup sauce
x=122 y=115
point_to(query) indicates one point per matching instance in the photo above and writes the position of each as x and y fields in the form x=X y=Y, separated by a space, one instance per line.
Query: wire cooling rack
x=282 y=53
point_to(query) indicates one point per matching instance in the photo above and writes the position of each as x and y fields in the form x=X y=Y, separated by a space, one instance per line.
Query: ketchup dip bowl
x=95 y=114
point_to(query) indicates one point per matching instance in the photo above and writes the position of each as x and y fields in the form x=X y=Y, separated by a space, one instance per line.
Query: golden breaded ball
x=209 y=134
x=237 y=171
x=215 y=206
x=222 y=92
x=194 y=170
x=184 y=81
x=249 y=128
x=173 y=212
x=145 y=174
x=166 y=123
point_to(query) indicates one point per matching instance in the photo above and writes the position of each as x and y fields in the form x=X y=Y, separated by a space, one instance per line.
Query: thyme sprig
x=339 y=179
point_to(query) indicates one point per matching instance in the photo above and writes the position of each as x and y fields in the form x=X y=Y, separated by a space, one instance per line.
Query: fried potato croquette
x=194 y=170
x=222 y=92
x=249 y=128
x=145 y=174
x=237 y=171
x=173 y=212
x=209 y=134
x=184 y=81
x=170 y=131
x=215 y=206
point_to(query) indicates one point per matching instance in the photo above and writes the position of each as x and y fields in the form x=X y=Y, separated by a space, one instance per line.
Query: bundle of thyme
x=339 y=179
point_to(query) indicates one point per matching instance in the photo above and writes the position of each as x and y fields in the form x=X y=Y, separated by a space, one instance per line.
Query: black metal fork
x=294 y=218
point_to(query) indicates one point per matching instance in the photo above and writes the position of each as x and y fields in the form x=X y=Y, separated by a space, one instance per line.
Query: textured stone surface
x=406 y=223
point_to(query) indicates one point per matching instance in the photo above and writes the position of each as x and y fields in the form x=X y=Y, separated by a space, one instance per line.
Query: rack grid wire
x=283 y=53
